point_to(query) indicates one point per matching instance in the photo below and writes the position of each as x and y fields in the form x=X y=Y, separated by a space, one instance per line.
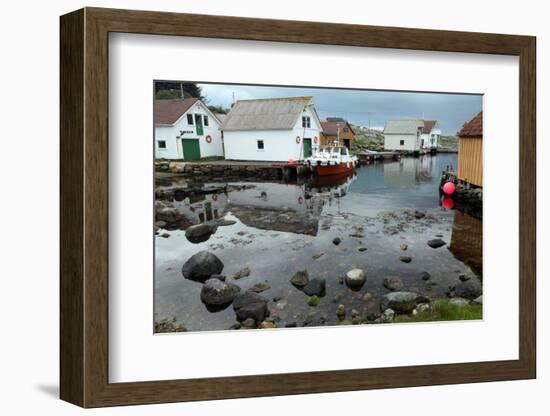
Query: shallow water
x=285 y=227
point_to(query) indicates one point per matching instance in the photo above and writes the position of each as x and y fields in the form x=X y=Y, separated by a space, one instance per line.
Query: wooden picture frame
x=84 y=207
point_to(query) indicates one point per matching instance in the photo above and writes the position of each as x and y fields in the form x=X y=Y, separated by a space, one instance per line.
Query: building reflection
x=467 y=241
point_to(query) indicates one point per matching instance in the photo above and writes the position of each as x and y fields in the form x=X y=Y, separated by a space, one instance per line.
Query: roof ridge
x=301 y=97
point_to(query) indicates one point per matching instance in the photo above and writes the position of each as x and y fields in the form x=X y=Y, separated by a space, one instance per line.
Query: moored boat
x=332 y=160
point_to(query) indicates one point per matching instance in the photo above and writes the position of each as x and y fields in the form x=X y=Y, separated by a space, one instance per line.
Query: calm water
x=281 y=228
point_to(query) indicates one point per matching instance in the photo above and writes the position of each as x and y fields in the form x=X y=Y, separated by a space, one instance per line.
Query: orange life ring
x=315 y=140
x=298 y=139
x=208 y=139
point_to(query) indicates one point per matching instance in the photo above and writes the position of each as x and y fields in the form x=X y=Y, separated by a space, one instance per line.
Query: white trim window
x=306 y=122
x=205 y=120
x=190 y=119
x=161 y=144
x=260 y=145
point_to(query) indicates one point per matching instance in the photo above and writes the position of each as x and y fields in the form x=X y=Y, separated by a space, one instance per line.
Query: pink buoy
x=449 y=188
x=448 y=202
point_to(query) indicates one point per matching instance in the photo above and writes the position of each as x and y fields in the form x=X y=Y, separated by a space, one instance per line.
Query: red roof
x=330 y=127
x=473 y=128
x=169 y=111
x=428 y=126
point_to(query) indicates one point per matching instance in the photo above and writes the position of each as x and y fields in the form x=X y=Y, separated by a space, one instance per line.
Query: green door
x=307 y=148
x=198 y=123
x=191 y=149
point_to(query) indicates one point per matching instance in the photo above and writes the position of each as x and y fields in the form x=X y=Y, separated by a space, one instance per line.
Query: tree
x=218 y=109
x=189 y=89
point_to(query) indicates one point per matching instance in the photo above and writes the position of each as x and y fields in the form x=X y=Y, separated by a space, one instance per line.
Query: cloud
x=363 y=107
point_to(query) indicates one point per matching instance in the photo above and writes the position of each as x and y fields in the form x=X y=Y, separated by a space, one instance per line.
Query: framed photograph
x=256 y=207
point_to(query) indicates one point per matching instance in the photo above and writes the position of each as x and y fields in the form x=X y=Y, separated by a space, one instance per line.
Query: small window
x=161 y=144
x=260 y=144
x=401 y=142
x=306 y=121
x=346 y=129
x=190 y=119
x=206 y=120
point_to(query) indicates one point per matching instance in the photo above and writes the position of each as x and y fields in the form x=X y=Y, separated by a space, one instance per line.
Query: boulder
x=267 y=325
x=436 y=243
x=355 y=279
x=256 y=311
x=424 y=307
x=260 y=287
x=222 y=222
x=459 y=302
x=405 y=259
x=316 y=286
x=248 y=323
x=341 y=311
x=167 y=214
x=199 y=232
x=403 y=247
x=200 y=266
x=242 y=273
x=300 y=279
x=250 y=305
x=400 y=302
x=214 y=292
x=336 y=241
x=419 y=215
x=469 y=289
x=478 y=300
x=387 y=315
x=425 y=275
x=393 y=283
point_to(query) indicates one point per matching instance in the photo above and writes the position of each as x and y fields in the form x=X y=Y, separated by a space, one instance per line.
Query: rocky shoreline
x=253 y=310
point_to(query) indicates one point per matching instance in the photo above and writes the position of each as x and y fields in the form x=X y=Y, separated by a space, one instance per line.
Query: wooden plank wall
x=470 y=160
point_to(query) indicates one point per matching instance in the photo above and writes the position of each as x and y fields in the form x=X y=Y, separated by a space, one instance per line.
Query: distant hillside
x=368 y=138
x=448 y=143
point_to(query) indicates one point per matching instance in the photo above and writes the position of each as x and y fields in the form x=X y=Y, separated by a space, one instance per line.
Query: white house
x=186 y=129
x=430 y=135
x=273 y=129
x=403 y=135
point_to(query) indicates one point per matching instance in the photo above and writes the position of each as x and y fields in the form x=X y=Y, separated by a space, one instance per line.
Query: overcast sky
x=450 y=110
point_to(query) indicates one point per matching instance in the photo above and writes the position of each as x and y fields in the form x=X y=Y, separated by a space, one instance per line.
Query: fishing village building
x=403 y=135
x=429 y=138
x=273 y=129
x=470 y=151
x=335 y=128
x=186 y=129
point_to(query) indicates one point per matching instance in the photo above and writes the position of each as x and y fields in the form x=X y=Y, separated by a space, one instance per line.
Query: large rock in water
x=436 y=243
x=470 y=289
x=400 y=302
x=315 y=287
x=201 y=266
x=199 y=233
x=214 y=292
x=250 y=305
x=300 y=279
x=355 y=279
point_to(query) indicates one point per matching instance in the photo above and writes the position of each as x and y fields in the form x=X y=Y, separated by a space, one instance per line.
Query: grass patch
x=442 y=310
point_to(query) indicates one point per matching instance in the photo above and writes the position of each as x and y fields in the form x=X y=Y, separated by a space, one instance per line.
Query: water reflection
x=467 y=241
x=277 y=228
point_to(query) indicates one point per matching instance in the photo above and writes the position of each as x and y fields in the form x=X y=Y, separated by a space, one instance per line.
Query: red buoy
x=449 y=188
